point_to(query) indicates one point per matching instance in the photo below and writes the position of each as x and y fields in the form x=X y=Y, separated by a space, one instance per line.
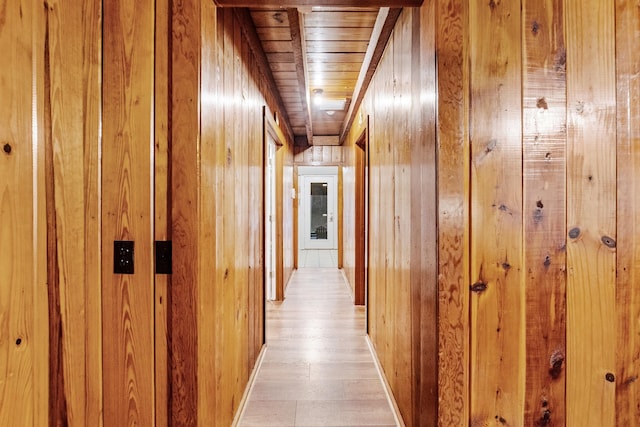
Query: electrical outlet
x=123 y=257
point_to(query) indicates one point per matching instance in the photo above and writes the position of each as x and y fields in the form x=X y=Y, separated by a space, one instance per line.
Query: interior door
x=320 y=202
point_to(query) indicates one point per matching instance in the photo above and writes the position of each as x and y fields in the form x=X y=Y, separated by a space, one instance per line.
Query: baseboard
x=385 y=384
x=249 y=388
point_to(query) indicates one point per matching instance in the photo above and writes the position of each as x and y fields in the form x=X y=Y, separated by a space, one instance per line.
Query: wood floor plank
x=317 y=369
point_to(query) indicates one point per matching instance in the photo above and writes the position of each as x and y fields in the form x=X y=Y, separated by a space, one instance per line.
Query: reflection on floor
x=317 y=369
x=324 y=258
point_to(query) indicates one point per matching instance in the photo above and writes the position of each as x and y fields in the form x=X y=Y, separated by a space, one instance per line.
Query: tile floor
x=317 y=369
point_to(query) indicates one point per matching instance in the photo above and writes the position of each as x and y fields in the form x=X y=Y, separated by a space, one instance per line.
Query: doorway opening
x=318 y=216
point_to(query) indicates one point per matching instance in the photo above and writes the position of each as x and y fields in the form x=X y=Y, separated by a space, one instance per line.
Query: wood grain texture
x=544 y=211
x=185 y=392
x=127 y=300
x=18 y=192
x=628 y=215
x=453 y=211
x=162 y=207
x=424 y=217
x=72 y=54
x=497 y=302
x=591 y=212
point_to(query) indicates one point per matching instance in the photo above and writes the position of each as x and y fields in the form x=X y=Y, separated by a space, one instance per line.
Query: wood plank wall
x=73 y=170
x=24 y=363
x=402 y=214
x=538 y=227
x=80 y=345
x=217 y=213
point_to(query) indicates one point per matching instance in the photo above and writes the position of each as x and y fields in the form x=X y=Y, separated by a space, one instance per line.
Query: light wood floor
x=317 y=369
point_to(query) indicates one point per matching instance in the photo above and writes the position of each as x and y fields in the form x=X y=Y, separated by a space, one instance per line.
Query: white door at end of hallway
x=319 y=200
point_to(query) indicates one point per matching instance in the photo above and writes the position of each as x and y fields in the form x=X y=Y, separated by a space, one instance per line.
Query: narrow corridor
x=317 y=369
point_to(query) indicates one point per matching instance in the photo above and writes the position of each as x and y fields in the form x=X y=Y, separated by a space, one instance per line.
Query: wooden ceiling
x=320 y=58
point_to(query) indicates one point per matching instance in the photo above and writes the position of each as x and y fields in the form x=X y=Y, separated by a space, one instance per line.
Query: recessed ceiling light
x=330 y=112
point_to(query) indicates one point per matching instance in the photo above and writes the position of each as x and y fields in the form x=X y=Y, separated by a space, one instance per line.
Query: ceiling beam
x=326 y=3
x=382 y=30
x=249 y=31
x=296 y=24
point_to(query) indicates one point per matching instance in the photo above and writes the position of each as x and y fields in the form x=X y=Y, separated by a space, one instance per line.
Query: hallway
x=317 y=369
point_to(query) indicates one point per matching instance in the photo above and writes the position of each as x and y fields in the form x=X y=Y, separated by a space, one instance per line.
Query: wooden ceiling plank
x=338 y=34
x=270 y=18
x=385 y=23
x=276 y=46
x=328 y=3
x=273 y=33
x=336 y=57
x=334 y=67
x=337 y=46
x=249 y=31
x=344 y=19
x=296 y=21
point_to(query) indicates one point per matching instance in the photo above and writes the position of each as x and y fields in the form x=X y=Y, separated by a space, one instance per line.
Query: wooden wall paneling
x=221 y=159
x=384 y=162
x=210 y=129
x=92 y=72
x=256 y=290
x=128 y=310
x=453 y=213
x=187 y=387
x=243 y=213
x=628 y=219
x=424 y=216
x=23 y=348
x=227 y=370
x=591 y=213
x=162 y=207
x=72 y=55
x=497 y=302
x=398 y=282
x=544 y=211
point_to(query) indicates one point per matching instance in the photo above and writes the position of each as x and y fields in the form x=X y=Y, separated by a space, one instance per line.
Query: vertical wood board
x=497 y=301
x=128 y=309
x=453 y=213
x=628 y=214
x=544 y=210
x=591 y=212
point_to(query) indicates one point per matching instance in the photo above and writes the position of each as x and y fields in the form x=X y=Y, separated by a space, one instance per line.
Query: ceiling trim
x=382 y=30
x=296 y=24
x=326 y=3
x=249 y=31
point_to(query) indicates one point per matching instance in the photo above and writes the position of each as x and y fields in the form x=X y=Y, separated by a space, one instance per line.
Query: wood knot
x=610 y=377
x=574 y=232
x=556 y=361
x=608 y=242
x=535 y=27
x=7 y=148
x=545 y=419
x=478 y=287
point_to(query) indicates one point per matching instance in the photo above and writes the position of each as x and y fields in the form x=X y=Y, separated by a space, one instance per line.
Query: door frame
x=361 y=217
x=272 y=130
